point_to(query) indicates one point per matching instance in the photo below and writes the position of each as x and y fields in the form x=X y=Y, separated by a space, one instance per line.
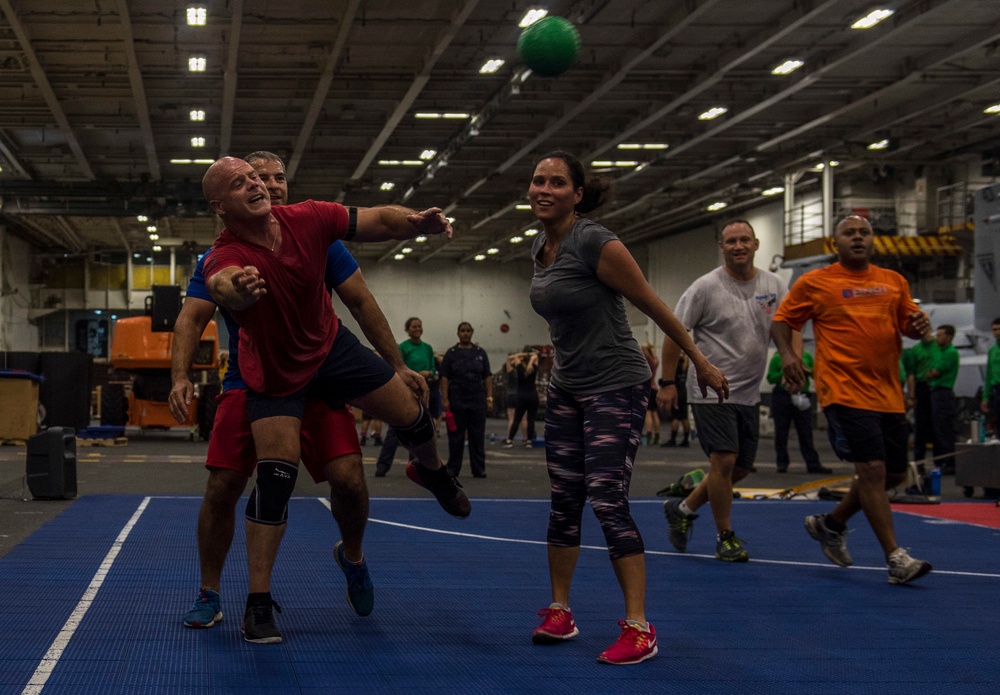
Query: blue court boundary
x=456 y=602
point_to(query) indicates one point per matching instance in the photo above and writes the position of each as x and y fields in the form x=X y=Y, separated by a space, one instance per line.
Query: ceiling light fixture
x=642 y=146
x=788 y=67
x=516 y=239
x=197 y=142
x=872 y=18
x=197 y=64
x=880 y=145
x=530 y=232
x=713 y=112
x=522 y=206
x=420 y=239
x=493 y=250
x=992 y=109
x=531 y=16
x=491 y=66
x=480 y=257
x=717 y=206
x=399 y=256
x=197 y=115
x=773 y=191
x=197 y=16
x=428 y=154
x=387 y=186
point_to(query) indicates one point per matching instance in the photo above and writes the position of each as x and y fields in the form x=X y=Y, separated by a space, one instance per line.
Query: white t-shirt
x=730 y=322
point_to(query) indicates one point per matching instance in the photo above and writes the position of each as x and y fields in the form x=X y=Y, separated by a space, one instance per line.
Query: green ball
x=549 y=46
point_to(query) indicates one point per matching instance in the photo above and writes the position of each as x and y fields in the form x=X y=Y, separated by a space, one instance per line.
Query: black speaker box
x=65 y=392
x=51 y=464
x=166 y=306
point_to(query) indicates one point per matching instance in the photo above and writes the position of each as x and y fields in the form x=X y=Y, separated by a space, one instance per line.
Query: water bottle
x=982 y=427
x=936 y=482
x=449 y=421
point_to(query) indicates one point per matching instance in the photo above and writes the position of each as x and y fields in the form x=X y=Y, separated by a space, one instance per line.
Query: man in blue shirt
x=330 y=448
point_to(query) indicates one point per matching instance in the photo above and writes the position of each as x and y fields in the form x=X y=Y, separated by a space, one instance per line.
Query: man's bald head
x=851 y=221
x=217 y=175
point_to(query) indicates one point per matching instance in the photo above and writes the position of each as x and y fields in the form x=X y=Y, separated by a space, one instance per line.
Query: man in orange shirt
x=858 y=312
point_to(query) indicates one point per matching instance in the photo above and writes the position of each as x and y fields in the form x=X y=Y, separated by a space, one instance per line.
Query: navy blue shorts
x=349 y=371
x=858 y=436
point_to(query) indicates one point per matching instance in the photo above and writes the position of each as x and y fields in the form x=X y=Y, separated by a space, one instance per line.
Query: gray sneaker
x=680 y=525
x=903 y=568
x=834 y=544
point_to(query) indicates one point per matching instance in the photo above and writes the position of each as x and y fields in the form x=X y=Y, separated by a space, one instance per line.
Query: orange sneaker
x=558 y=625
x=633 y=646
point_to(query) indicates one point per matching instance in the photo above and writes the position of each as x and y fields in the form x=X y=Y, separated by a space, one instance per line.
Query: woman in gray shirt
x=598 y=392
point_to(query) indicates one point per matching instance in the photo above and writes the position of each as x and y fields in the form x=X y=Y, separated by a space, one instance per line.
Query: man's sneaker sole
x=197 y=624
x=925 y=568
x=816 y=533
x=638 y=660
x=262 y=640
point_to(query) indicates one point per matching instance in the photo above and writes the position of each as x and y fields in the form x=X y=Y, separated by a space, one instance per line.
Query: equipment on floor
x=51 y=464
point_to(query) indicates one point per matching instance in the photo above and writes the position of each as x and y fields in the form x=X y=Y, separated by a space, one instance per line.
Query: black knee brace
x=420 y=432
x=268 y=502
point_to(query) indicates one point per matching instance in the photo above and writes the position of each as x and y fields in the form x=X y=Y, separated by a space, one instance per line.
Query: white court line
x=59 y=644
x=787 y=563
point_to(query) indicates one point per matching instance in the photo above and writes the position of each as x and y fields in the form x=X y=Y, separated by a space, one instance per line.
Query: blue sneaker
x=205 y=611
x=360 y=591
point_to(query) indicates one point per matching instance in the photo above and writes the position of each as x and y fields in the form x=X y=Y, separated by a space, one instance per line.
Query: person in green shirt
x=787 y=409
x=991 y=387
x=418 y=356
x=917 y=360
x=941 y=378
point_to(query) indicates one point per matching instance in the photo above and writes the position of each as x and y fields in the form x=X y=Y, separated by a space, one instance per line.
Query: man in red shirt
x=267 y=268
x=858 y=312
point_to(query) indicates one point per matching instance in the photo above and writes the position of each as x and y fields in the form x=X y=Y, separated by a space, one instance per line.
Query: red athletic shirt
x=287 y=333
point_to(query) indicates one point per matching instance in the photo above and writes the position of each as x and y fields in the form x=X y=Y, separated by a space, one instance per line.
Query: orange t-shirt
x=857 y=320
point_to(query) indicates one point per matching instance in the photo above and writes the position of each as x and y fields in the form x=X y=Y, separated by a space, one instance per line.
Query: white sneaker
x=903 y=568
x=834 y=544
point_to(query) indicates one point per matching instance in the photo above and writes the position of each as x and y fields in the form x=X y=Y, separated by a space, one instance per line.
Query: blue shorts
x=349 y=371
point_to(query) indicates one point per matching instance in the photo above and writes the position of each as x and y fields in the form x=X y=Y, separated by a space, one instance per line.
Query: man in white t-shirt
x=728 y=312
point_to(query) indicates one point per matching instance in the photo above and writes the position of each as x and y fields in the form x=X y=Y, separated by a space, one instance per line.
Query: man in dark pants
x=787 y=409
x=941 y=379
x=916 y=361
x=465 y=379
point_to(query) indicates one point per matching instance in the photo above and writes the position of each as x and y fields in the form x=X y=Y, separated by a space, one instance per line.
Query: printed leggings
x=590 y=446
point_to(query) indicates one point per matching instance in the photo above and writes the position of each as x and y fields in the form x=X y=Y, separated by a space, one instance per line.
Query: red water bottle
x=449 y=421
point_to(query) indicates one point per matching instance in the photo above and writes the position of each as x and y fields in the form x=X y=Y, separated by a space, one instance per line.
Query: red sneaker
x=632 y=646
x=558 y=626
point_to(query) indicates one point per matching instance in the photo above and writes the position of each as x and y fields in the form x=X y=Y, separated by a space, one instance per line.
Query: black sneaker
x=258 y=624
x=680 y=525
x=729 y=548
x=447 y=490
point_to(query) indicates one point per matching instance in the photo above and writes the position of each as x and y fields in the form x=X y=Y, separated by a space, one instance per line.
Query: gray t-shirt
x=595 y=350
x=730 y=322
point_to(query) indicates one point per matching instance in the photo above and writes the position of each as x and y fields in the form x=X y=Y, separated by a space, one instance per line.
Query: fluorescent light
x=493 y=250
x=834 y=163
x=530 y=232
x=197 y=16
x=773 y=191
x=180 y=161
x=789 y=66
x=643 y=146
x=432 y=115
x=872 y=18
x=522 y=206
x=151 y=228
x=157 y=248
x=387 y=186
x=400 y=163
x=154 y=237
x=880 y=145
x=406 y=249
x=451 y=220
x=491 y=66
x=420 y=239
x=142 y=218
x=818 y=167
x=197 y=142
x=992 y=109
x=428 y=154
x=480 y=257
x=717 y=206
x=204 y=161
x=531 y=16
x=197 y=115
x=399 y=256
x=713 y=112
x=197 y=63
x=615 y=163
x=516 y=239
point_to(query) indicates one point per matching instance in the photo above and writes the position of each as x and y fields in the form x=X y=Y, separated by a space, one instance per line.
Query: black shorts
x=858 y=436
x=728 y=427
x=349 y=371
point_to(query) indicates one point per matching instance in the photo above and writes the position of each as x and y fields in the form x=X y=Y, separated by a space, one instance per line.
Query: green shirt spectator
x=944 y=368
x=774 y=373
x=418 y=356
x=992 y=371
x=918 y=358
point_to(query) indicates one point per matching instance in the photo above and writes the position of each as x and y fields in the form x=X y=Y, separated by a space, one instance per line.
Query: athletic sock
x=834 y=525
x=684 y=509
x=639 y=624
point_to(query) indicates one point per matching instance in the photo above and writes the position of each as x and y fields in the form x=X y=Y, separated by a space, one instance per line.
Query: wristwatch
x=666 y=382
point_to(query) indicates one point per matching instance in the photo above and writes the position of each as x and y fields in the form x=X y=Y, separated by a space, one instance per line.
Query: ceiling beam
x=323 y=87
x=42 y=81
x=11 y=159
x=229 y=77
x=138 y=90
